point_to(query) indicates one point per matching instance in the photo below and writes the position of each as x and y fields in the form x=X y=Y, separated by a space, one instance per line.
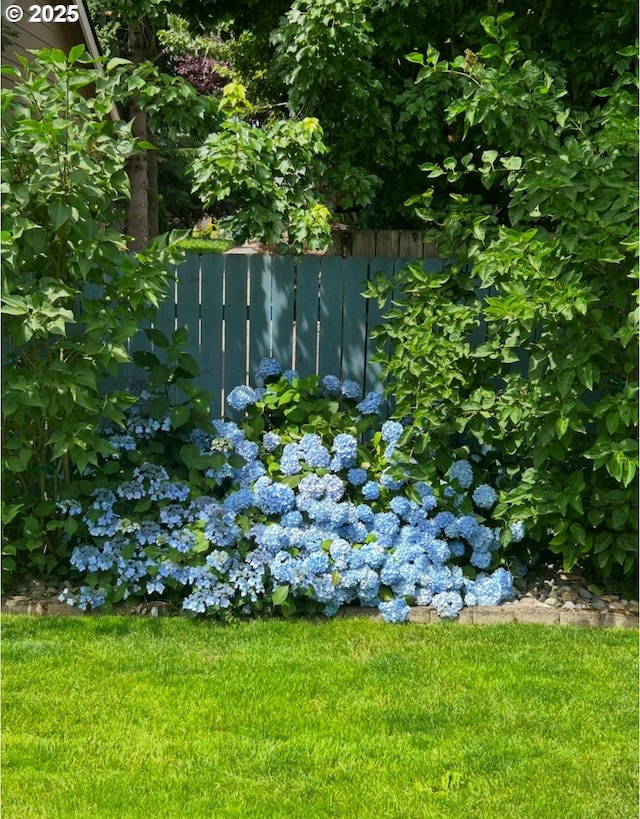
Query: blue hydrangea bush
x=302 y=502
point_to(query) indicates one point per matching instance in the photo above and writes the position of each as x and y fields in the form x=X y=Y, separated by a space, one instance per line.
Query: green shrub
x=72 y=294
x=549 y=400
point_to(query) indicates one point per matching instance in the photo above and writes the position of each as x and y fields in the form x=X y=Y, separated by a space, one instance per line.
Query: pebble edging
x=550 y=598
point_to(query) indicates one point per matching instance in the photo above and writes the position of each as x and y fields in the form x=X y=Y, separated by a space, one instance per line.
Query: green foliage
x=72 y=295
x=295 y=407
x=548 y=394
x=343 y=62
x=268 y=172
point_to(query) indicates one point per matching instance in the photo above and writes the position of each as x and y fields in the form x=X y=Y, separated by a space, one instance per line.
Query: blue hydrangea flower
x=70 y=507
x=267 y=368
x=391 y=432
x=480 y=558
x=314 y=452
x=351 y=389
x=386 y=523
x=270 y=441
x=241 y=397
x=461 y=471
x=290 y=460
x=357 y=476
x=489 y=590
x=371 y=491
x=371 y=403
x=273 y=498
x=331 y=384
x=395 y=611
x=346 y=448
x=518 y=531
x=447 y=604
x=291 y=520
x=484 y=496
x=290 y=375
x=400 y=506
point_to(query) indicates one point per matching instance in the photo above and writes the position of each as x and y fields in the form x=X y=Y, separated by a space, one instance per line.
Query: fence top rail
x=346 y=242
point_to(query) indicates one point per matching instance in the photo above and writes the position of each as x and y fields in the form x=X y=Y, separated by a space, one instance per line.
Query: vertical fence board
x=260 y=344
x=410 y=244
x=282 y=309
x=166 y=316
x=387 y=244
x=307 y=315
x=188 y=302
x=354 y=320
x=331 y=278
x=211 y=347
x=363 y=243
x=374 y=318
x=235 y=321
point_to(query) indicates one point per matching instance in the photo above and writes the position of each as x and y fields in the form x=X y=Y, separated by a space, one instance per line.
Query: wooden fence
x=386 y=244
x=309 y=313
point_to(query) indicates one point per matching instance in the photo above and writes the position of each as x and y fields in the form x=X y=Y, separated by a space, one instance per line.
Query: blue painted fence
x=309 y=313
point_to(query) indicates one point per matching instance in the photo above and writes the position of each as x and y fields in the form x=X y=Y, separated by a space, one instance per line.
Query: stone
x=613 y=619
x=585 y=593
x=23 y=605
x=589 y=619
x=567 y=596
x=569 y=605
x=543 y=614
x=493 y=615
x=55 y=608
x=552 y=601
x=466 y=616
x=16 y=601
x=634 y=607
x=529 y=603
x=615 y=606
x=421 y=614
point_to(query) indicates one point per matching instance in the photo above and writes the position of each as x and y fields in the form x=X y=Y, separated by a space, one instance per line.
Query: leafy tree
x=268 y=172
x=72 y=294
x=130 y=33
x=548 y=403
x=343 y=61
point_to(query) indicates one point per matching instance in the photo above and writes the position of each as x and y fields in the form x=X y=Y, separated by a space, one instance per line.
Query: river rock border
x=549 y=597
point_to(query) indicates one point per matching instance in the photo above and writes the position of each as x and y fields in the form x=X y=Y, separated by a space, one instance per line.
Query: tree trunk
x=152 y=176
x=137 y=166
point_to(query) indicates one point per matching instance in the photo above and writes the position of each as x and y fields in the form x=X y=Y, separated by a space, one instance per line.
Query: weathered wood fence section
x=309 y=313
x=385 y=244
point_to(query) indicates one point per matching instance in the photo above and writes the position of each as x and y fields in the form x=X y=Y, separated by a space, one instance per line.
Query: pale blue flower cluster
x=268 y=367
x=302 y=516
x=484 y=496
x=370 y=404
x=461 y=472
x=241 y=397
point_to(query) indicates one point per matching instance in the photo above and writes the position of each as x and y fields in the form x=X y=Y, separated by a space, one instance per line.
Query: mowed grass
x=126 y=717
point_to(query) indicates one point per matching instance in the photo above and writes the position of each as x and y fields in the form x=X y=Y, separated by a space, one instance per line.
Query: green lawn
x=127 y=717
